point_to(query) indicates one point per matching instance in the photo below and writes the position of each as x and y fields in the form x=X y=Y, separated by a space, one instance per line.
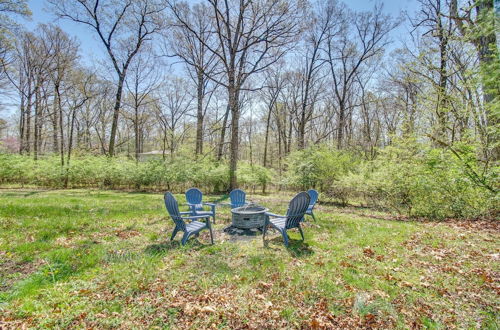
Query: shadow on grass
x=299 y=249
x=165 y=247
x=35 y=192
x=161 y=248
x=221 y=199
x=296 y=247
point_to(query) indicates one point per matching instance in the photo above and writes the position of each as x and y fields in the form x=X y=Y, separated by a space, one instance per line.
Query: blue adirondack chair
x=189 y=229
x=237 y=197
x=296 y=210
x=194 y=200
x=314 y=198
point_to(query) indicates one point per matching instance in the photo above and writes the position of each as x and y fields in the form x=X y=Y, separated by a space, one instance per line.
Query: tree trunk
x=199 y=114
x=266 y=140
x=441 y=110
x=136 y=132
x=27 y=145
x=55 y=122
x=279 y=154
x=59 y=106
x=116 y=113
x=223 y=134
x=37 y=123
x=301 y=143
x=235 y=116
x=22 y=122
x=341 y=125
x=288 y=145
x=70 y=147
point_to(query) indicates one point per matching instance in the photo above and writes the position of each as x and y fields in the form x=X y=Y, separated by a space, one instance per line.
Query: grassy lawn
x=82 y=258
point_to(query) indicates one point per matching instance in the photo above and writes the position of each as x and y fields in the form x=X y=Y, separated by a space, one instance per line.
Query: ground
x=102 y=259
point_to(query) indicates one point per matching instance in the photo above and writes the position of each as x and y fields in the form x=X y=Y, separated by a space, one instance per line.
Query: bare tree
x=123 y=26
x=274 y=86
x=476 y=21
x=200 y=62
x=320 y=26
x=78 y=94
x=251 y=36
x=141 y=84
x=174 y=104
x=63 y=51
x=358 y=38
x=8 y=29
x=432 y=18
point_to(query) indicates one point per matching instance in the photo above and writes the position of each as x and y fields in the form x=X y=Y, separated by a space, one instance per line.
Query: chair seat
x=207 y=213
x=279 y=223
x=194 y=226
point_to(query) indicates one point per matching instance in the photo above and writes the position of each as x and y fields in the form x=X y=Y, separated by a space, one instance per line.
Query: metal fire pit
x=250 y=216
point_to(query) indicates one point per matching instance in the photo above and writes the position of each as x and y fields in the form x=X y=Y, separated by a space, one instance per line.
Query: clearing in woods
x=99 y=259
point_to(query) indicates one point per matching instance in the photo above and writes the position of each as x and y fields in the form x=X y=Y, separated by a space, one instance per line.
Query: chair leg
x=312 y=214
x=213 y=213
x=285 y=237
x=264 y=230
x=207 y=220
x=176 y=230
x=211 y=235
x=185 y=238
x=301 y=233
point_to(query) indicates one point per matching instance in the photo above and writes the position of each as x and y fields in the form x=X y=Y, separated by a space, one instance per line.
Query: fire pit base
x=231 y=230
x=248 y=217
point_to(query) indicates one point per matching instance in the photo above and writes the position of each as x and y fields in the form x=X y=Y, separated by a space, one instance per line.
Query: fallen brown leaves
x=125 y=234
x=233 y=307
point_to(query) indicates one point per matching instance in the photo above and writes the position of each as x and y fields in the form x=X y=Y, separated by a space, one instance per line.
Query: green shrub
x=318 y=167
x=253 y=175
x=417 y=180
x=120 y=172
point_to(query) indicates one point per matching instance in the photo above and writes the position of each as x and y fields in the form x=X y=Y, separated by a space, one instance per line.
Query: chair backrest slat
x=173 y=209
x=237 y=197
x=314 y=196
x=194 y=196
x=296 y=209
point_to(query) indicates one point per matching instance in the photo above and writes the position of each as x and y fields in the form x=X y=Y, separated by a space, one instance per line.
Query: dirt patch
x=12 y=271
x=126 y=234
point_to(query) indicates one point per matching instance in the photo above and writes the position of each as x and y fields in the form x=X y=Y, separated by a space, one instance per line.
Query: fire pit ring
x=250 y=216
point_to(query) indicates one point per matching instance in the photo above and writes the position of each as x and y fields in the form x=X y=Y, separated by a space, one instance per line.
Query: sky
x=91 y=49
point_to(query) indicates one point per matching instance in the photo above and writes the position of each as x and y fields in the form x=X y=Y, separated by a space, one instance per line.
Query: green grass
x=86 y=258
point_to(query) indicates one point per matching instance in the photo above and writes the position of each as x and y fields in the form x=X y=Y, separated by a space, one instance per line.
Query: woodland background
x=268 y=95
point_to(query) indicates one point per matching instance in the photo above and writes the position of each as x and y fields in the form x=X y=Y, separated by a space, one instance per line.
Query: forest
x=269 y=95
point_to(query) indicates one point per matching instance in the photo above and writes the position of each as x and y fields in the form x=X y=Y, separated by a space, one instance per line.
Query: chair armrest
x=187 y=212
x=269 y=214
x=191 y=217
x=212 y=206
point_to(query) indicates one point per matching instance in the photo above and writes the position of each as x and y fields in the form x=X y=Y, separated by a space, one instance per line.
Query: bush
x=252 y=175
x=417 y=180
x=318 y=167
x=120 y=172
x=408 y=177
